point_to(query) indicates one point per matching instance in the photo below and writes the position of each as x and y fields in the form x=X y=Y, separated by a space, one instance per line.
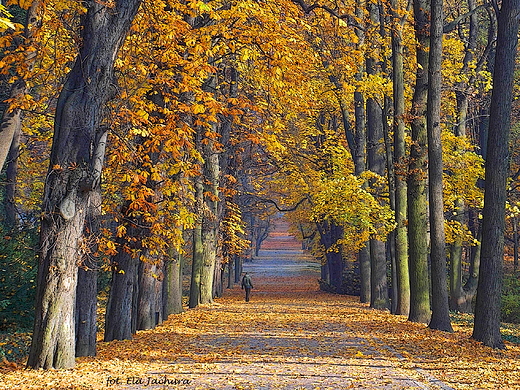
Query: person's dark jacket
x=246 y=282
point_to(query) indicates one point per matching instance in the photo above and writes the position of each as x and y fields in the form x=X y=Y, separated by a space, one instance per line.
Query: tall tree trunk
x=11 y=172
x=172 y=285
x=218 y=278
x=401 y=238
x=417 y=176
x=238 y=268
x=515 y=244
x=457 y=294
x=487 y=312
x=71 y=178
x=376 y=164
x=440 y=308
x=86 y=309
x=210 y=225
x=330 y=233
x=146 y=298
x=465 y=305
x=86 y=290
x=198 y=248
x=363 y=258
x=456 y=290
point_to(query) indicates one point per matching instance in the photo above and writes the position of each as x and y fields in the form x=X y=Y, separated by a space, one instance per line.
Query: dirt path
x=289 y=336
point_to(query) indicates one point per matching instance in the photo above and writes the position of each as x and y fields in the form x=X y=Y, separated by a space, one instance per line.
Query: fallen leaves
x=289 y=336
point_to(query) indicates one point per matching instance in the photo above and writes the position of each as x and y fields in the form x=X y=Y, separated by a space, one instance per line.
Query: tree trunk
x=330 y=233
x=121 y=312
x=465 y=305
x=238 y=268
x=417 y=176
x=197 y=240
x=376 y=164
x=11 y=172
x=363 y=257
x=210 y=226
x=172 y=286
x=218 y=278
x=198 y=248
x=230 y=268
x=209 y=254
x=440 y=319
x=71 y=178
x=463 y=89
x=378 y=268
x=86 y=290
x=456 y=290
x=401 y=238
x=358 y=151
x=11 y=122
x=515 y=244
x=146 y=297
x=86 y=310
x=487 y=312
x=325 y=276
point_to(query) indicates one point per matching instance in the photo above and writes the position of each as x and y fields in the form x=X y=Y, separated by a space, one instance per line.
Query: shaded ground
x=290 y=336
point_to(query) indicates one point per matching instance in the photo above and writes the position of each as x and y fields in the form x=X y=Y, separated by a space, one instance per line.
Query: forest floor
x=289 y=336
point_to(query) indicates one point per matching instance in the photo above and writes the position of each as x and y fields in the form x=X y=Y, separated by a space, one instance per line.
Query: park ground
x=289 y=336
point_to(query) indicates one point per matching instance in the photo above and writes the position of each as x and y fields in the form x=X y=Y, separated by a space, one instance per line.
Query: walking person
x=247 y=285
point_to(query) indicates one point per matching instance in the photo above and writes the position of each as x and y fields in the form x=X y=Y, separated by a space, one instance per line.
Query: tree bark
x=465 y=305
x=457 y=294
x=487 y=312
x=86 y=311
x=456 y=290
x=172 y=285
x=11 y=122
x=146 y=296
x=440 y=319
x=515 y=244
x=210 y=225
x=376 y=164
x=401 y=238
x=11 y=173
x=71 y=178
x=238 y=268
x=330 y=233
x=121 y=312
x=417 y=176
x=359 y=155
x=198 y=248
x=86 y=290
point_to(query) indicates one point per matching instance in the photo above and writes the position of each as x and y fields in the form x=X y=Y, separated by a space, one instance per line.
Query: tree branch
x=451 y=25
x=309 y=8
x=270 y=201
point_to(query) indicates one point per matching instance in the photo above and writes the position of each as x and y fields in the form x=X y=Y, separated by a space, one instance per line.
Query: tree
x=401 y=239
x=71 y=178
x=440 y=309
x=376 y=163
x=487 y=311
x=417 y=175
x=11 y=121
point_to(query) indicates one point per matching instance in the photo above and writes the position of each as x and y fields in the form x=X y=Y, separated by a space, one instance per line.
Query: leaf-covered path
x=289 y=336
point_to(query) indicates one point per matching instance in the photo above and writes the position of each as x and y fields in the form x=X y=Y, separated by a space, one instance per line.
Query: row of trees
x=175 y=137
x=435 y=195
